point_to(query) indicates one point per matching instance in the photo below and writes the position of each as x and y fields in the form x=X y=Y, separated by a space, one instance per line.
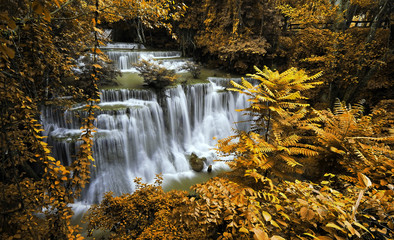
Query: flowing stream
x=138 y=137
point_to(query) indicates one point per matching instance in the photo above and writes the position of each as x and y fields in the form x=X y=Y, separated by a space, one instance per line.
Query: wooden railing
x=359 y=24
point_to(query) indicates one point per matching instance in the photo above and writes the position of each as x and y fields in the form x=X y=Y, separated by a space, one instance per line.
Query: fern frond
x=303 y=151
x=247 y=84
x=308 y=146
x=289 y=160
x=360 y=155
x=339 y=107
x=267 y=90
x=293 y=105
x=291 y=140
x=265 y=99
x=316 y=76
x=267 y=165
x=292 y=96
x=348 y=179
x=238 y=86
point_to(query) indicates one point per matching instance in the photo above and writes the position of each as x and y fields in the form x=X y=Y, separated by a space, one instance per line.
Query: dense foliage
x=356 y=57
x=238 y=34
x=350 y=41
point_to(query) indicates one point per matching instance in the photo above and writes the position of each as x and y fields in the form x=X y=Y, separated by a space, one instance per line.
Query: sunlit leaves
x=276 y=103
x=149 y=213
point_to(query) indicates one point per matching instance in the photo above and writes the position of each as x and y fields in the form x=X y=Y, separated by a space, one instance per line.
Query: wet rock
x=197 y=163
x=209 y=168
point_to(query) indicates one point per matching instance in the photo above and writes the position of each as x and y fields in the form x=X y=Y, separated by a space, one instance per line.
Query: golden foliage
x=152 y=13
x=352 y=141
x=278 y=117
x=148 y=213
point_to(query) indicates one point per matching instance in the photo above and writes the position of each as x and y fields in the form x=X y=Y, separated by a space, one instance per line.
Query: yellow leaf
x=311 y=235
x=303 y=202
x=363 y=180
x=243 y=230
x=8 y=51
x=57 y=3
x=361 y=226
x=260 y=234
x=98 y=30
x=267 y=216
x=275 y=224
x=96 y=66
x=333 y=225
x=276 y=237
x=324 y=238
x=350 y=227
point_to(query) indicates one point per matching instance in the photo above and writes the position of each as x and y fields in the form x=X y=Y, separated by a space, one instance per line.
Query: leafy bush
x=107 y=71
x=193 y=68
x=155 y=76
x=148 y=213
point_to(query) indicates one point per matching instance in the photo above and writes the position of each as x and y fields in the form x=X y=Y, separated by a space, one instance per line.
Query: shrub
x=155 y=76
x=148 y=213
x=193 y=68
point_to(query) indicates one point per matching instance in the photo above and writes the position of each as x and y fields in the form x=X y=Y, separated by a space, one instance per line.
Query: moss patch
x=203 y=78
x=118 y=107
x=131 y=80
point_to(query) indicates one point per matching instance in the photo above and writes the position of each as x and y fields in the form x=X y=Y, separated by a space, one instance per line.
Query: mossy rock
x=197 y=163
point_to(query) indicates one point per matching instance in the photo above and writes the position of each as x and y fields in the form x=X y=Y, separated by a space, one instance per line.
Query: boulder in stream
x=197 y=163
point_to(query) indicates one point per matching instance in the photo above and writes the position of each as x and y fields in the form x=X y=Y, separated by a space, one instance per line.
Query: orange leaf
x=363 y=180
x=57 y=3
x=306 y=213
x=260 y=234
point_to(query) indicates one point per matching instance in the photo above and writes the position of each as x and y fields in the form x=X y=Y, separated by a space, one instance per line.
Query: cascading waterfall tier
x=136 y=138
x=124 y=60
x=139 y=135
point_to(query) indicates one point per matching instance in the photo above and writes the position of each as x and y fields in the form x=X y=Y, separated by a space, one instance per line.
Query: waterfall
x=139 y=135
x=136 y=138
x=124 y=60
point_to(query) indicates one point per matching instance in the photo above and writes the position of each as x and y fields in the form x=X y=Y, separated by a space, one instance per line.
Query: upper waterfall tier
x=124 y=60
x=138 y=137
x=128 y=46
